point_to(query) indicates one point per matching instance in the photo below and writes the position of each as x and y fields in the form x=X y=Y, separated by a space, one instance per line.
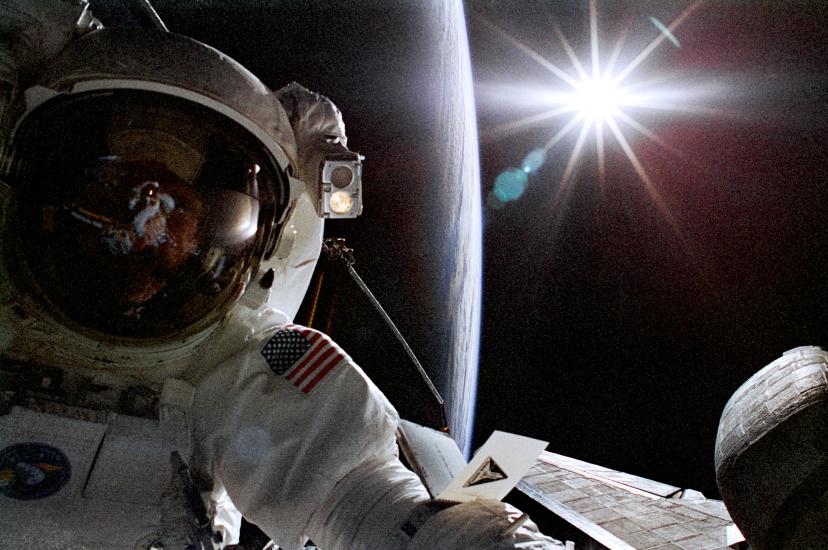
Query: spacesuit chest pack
x=75 y=477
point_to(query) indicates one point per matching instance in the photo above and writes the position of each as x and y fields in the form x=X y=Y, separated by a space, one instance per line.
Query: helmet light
x=341 y=186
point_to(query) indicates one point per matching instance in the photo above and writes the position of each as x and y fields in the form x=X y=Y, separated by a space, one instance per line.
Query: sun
x=598 y=99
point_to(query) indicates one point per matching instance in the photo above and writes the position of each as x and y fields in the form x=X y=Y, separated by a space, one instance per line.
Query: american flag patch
x=302 y=356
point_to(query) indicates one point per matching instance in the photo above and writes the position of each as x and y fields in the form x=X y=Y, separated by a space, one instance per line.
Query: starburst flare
x=599 y=99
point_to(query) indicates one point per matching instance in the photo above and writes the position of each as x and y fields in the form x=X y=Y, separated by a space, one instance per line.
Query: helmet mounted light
x=340 y=186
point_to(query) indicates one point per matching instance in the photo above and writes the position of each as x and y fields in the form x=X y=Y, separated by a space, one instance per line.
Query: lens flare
x=599 y=101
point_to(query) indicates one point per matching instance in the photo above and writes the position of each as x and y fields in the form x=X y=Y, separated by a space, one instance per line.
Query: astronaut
x=161 y=213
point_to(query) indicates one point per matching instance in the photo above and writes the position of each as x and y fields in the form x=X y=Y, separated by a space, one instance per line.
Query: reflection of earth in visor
x=142 y=215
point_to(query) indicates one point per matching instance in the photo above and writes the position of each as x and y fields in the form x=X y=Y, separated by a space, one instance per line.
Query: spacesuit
x=160 y=219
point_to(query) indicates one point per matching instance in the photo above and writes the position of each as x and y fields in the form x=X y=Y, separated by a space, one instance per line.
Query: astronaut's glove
x=481 y=524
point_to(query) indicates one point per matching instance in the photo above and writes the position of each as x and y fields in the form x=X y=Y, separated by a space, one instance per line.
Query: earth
x=401 y=75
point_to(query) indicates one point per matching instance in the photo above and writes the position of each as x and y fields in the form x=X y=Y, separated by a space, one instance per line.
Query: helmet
x=152 y=183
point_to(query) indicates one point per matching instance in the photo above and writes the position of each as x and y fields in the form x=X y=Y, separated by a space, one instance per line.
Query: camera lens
x=342 y=176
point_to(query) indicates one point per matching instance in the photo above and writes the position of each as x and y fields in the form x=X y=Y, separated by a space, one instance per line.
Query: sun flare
x=598 y=99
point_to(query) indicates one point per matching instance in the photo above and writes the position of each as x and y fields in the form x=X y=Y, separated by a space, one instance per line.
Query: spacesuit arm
x=305 y=445
x=31 y=33
x=384 y=505
x=317 y=126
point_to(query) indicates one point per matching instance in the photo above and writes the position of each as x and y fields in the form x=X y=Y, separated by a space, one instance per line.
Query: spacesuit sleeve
x=31 y=33
x=317 y=126
x=305 y=446
x=283 y=423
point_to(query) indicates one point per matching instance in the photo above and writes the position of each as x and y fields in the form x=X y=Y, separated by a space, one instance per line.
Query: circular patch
x=32 y=470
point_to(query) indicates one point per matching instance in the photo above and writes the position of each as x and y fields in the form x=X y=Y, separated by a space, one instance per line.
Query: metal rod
x=153 y=15
x=361 y=284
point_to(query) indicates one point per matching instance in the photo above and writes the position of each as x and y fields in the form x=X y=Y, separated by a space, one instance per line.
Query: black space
x=607 y=330
x=611 y=332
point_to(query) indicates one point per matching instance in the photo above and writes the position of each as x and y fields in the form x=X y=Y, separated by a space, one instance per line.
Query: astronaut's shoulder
x=303 y=357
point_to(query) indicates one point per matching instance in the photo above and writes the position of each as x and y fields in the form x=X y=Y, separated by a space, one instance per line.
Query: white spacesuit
x=160 y=218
